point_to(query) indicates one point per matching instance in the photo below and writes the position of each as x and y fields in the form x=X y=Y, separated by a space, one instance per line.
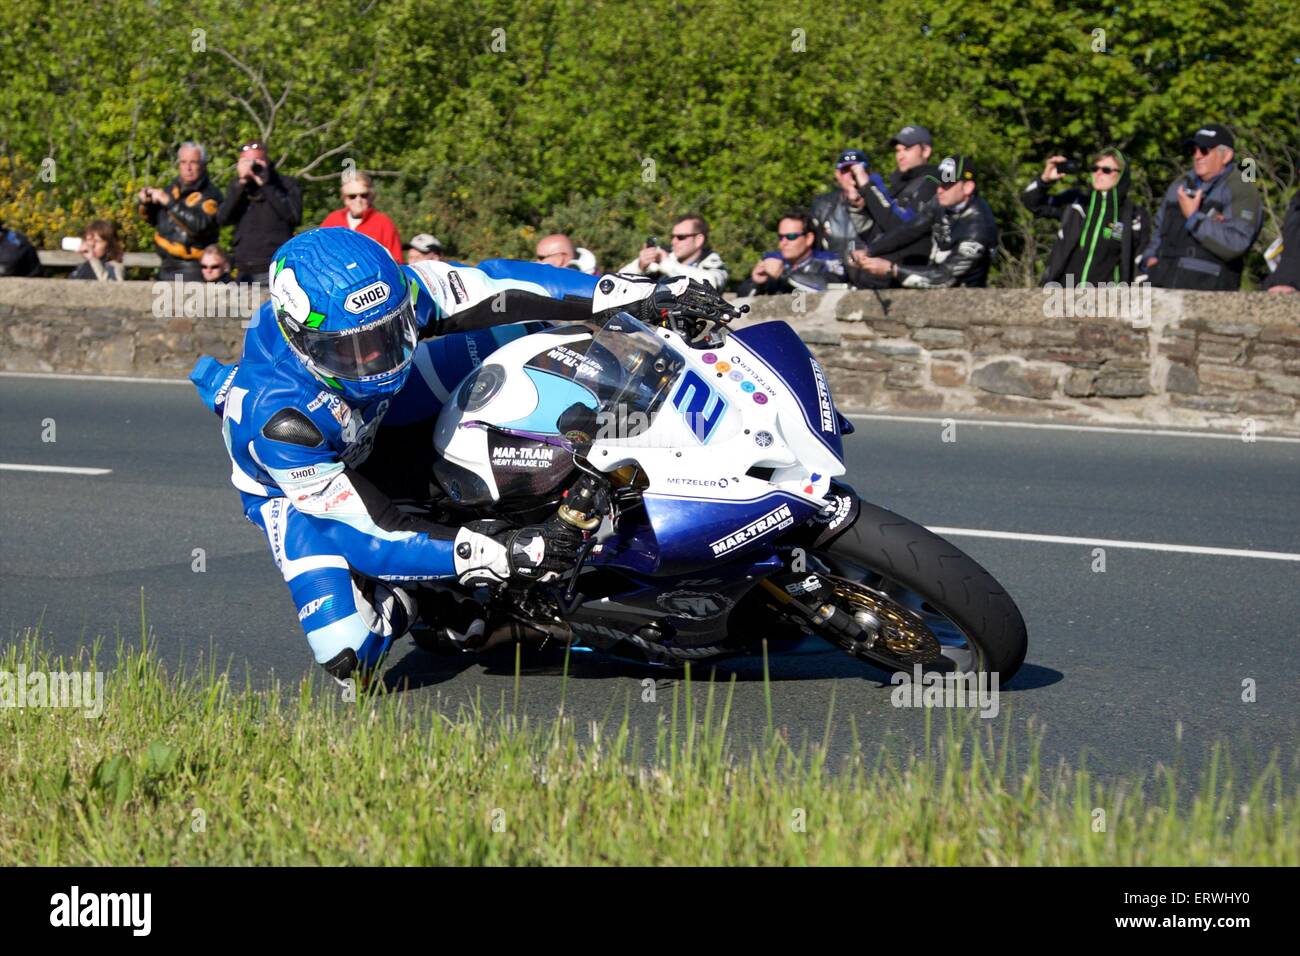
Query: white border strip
x=1110 y=543
x=75 y=377
x=1053 y=426
x=57 y=469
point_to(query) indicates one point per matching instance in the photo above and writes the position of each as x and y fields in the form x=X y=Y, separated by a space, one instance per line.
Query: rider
x=326 y=360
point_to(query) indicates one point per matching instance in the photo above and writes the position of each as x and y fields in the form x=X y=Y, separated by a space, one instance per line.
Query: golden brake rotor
x=902 y=633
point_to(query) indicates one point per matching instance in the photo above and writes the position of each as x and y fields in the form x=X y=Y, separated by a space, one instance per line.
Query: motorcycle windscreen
x=628 y=369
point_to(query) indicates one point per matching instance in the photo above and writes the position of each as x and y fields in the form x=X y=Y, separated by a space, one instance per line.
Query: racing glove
x=493 y=552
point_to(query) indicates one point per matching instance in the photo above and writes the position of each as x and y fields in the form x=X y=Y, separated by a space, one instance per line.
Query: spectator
x=215 y=264
x=690 y=255
x=1287 y=277
x=963 y=235
x=423 y=248
x=17 y=256
x=896 y=205
x=585 y=262
x=1102 y=230
x=264 y=207
x=184 y=215
x=102 y=249
x=359 y=214
x=1208 y=220
x=556 y=250
x=799 y=266
x=841 y=215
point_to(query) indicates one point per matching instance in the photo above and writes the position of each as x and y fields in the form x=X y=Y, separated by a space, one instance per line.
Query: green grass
x=303 y=778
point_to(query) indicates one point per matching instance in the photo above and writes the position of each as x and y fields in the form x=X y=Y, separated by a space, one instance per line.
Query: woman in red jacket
x=359 y=214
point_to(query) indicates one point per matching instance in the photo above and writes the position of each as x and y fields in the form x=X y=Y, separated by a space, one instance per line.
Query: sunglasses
x=789 y=236
x=683 y=236
x=1108 y=170
x=247 y=146
x=1203 y=150
x=356 y=195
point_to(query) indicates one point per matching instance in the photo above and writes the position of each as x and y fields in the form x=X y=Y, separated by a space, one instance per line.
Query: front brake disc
x=902 y=634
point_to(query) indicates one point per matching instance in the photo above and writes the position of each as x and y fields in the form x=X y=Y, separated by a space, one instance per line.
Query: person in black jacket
x=897 y=204
x=1287 y=276
x=963 y=235
x=798 y=266
x=17 y=255
x=184 y=215
x=1102 y=230
x=265 y=208
x=841 y=217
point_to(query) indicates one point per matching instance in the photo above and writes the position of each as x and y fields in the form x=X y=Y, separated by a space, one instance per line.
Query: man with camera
x=184 y=215
x=797 y=265
x=1208 y=220
x=690 y=255
x=265 y=208
x=841 y=217
x=897 y=204
x=963 y=235
x=1102 y=230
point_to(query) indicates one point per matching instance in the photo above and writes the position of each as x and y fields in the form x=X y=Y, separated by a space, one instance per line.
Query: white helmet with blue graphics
x=347 y=311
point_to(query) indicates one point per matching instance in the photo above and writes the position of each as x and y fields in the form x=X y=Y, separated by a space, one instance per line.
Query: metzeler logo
x=363 y=299
x=823 y=398
x=777 y=518
x=103 y=909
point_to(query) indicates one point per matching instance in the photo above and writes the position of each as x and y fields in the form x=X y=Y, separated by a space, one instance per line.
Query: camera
x=1069 y=166
x=652 y=242
x=259 y=167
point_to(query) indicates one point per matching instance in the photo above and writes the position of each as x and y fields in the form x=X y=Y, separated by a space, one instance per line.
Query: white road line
x=1110 y=543
x=1052 y=426
x=68 y=376
x=57 y=469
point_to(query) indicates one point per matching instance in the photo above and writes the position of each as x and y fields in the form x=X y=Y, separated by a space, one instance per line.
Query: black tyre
x=896 y=571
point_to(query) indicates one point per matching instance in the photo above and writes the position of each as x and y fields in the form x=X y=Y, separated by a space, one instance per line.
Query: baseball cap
x=850 y=156
x=956 y=169
x=1211 y=134
x=911 y=136
x=423 y=243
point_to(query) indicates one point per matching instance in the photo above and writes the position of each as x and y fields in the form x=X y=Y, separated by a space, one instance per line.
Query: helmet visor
x=370 y=351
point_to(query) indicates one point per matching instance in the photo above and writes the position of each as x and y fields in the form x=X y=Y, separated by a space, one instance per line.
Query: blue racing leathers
x=298 y=449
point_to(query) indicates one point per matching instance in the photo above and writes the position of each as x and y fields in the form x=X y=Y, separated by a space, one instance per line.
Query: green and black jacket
x=1101 y=234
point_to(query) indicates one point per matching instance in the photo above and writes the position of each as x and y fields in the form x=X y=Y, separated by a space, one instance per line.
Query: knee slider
x=342 y=664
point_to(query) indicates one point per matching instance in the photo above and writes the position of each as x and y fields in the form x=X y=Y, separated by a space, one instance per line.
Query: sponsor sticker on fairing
x=511 y=457
x=823 y=399
x=774 y=520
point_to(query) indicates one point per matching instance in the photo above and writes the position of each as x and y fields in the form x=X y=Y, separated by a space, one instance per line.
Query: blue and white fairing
x=738 y=444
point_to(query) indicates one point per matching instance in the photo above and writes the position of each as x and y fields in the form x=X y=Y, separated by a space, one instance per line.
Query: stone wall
x=1196 y=359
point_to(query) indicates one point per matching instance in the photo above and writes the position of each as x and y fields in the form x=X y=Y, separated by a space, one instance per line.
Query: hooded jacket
x=1101 y=234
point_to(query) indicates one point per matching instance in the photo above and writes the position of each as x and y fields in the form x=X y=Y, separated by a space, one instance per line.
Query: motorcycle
x=704 y=467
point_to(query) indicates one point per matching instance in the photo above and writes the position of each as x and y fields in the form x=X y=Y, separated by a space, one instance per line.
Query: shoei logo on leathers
x=366 y=298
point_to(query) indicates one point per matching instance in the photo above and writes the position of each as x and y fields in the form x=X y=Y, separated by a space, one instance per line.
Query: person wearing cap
x=1208 y=220
x=841 y=216
x=690 y=255
x=898 y=203
x=798 y=266
x=422 y=248
x=963 y=235
x=265 y=208
x=1102 y=230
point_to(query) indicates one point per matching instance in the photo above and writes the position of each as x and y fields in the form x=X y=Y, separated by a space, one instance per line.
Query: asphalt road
x=1117 y=659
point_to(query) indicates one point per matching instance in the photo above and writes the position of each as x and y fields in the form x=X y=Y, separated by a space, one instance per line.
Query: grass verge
x=184 y=769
